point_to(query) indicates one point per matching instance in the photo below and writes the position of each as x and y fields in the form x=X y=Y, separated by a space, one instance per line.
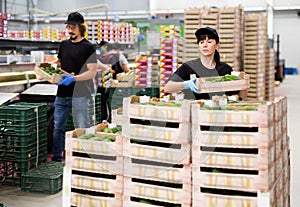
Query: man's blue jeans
x=62 y=107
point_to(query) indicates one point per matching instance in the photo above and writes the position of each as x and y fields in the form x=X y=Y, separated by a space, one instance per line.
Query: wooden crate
x=173 y=153
x=221 y=138
x=261 y=161
x=95 y=164
x=239 y=180
x=158 y=113
x=95 y=147
x=216 y=199
x=157 y=172
x=98 y=184
x=116 y=118
x=263 y=117
x=80 y=200
x=133 y=188
x=54 y=78
x=176 y=135
x=208 y=87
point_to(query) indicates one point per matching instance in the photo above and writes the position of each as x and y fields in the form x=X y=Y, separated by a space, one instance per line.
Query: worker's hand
x=191 y=84
x=67 y=80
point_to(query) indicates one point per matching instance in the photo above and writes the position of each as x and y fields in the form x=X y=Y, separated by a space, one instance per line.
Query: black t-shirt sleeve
x=92 y=57
x=181 y=74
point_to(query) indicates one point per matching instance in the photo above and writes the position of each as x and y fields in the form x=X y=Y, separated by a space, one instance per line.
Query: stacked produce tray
x=255 y=54
x=156 y=151
x=147 y=72
x=235 y=155
x=270 y=74
x=46 y=178
x=230 y=32
x=94 y=170
x=23 y=140
x=92 y=31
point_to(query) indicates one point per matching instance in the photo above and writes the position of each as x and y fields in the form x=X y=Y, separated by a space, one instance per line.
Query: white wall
x=286 y=24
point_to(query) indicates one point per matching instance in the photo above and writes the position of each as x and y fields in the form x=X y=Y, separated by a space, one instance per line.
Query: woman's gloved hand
x=67 y=80
x=191 y=84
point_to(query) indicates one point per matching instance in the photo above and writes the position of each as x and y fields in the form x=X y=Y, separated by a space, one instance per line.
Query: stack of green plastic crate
x=46 y=178
x=23 y=140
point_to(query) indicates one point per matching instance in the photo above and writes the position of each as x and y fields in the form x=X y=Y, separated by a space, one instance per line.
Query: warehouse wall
x=286 y=24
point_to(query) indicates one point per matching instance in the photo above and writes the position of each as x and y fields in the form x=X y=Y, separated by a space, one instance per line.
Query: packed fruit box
x=223 y=83
x=49 y=73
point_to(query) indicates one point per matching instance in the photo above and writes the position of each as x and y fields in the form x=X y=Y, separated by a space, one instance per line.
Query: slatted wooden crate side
x=180 y=135
x=156 y=153
x=181 y=196
x=263 y=138
x=98 y=184
x=95 y=147
x=261 y=161
x=78 y=199
x=263 y=181
x=201 y=199
x=150 y=171
x=159 y=113
x=116 y=118
x=263 y=117
x=94 y=164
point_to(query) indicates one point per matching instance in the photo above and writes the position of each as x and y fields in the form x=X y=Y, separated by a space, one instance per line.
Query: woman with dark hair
x=207 y=65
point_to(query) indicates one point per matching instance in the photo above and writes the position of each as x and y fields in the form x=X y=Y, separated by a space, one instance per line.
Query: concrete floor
x=14 y=197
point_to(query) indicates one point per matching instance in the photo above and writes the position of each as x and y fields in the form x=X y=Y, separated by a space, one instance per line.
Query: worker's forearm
x=90 y=74
x=243 y=94
x=172 y=86
x=125 y=68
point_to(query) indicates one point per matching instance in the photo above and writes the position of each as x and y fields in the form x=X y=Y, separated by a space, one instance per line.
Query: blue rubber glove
x=67 y=80
x=191 y=84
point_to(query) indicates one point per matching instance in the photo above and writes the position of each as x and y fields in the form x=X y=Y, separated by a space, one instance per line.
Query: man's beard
x=73 y=38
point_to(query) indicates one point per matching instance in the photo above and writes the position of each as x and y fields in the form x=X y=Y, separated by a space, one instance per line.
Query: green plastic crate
x=46 y=178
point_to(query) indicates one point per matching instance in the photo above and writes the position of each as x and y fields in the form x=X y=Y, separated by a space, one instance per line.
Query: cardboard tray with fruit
x=233 y=82
x=49 y=73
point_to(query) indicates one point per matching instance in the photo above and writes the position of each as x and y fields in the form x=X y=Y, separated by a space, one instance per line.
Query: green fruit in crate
x=107 y=130
x=107 y=138
x=86 y=136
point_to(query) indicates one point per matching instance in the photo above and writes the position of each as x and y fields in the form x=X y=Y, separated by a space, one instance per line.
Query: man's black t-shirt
x=74 y=58
x=184 y=72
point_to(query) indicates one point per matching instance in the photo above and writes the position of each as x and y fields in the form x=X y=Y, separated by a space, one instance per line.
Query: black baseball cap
x=102 y=43
x=75 y=18
x=207 y=31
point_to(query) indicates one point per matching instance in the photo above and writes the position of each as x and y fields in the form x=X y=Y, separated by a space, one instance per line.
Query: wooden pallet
x=79 y=200
x=135 y=188
x=157 y=171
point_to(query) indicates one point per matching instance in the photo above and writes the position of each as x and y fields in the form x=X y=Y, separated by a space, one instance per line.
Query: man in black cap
x=207 y=65
x=77 y=57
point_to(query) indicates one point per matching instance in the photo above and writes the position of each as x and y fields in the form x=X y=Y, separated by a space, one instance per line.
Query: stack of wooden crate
x=231 y=32
x=93 y=173
x=270 y=74
x=234 y=157
x=156 y=151
x=255 y=54
x=192 y=22
x=282 y=153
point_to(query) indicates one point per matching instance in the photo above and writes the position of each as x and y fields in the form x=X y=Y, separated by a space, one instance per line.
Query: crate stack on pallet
x=92 y=30
x=93 y=172
x=234 y=155
x=107 y=31
x=3 y=24
x=169 y=47
x=230 y=32
x=270 y=74
x=23 y=140
x=282 y=153
x=192 y=22
x=146 y=71
x=210 y=18
x=156 y=151
x=125 y=33
x=255 y=54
